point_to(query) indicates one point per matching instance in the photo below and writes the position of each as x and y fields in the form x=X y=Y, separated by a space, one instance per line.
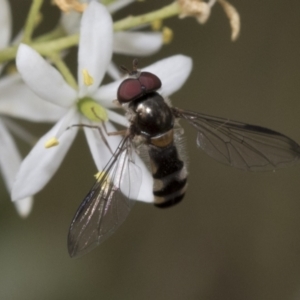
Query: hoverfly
x=154 y=124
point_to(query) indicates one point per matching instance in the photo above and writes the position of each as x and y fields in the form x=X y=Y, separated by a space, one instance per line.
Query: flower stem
x=64 y=70
x=31 y=20
x=163 y=13
x=106 y=2
x=8 y=54
x=45 y=48
x=47 y=44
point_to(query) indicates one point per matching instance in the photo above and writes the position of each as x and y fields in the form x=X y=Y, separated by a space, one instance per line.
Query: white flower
x=134 y=43
x=94 y=55
x=16 y=100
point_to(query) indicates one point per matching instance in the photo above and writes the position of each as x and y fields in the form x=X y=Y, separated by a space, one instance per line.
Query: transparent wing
x=240 y=145
x=108 y=203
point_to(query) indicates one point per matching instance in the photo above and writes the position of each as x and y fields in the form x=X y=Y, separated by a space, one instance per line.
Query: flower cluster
x=44 y=90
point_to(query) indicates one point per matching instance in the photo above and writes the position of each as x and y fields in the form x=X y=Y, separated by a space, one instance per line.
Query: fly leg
x=99 y=130
x=119 y=132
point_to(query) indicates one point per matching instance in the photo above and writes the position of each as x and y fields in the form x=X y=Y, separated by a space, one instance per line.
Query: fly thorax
x=153 y=116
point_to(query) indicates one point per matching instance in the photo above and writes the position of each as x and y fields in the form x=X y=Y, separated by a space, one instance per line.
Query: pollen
x=156 y=25
x=87 y=78
x=92 y=110
x=167 y=35
x=101 y=175
x=52 y=142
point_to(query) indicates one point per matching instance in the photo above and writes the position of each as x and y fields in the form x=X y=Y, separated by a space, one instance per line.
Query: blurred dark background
x=235 y=236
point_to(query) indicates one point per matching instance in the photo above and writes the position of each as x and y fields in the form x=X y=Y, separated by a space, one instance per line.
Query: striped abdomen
x=169 y=171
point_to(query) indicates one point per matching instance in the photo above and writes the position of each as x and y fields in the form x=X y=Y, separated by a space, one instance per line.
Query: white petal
x=95 y=45
x=40 y=164
x=5 y=23
x=172 y=71
x=136 y=180
x=44 y=79
x=71 y=21
x=19 y=131
x=137 y=43
x=70 y=118
x=107 y=93
x=17 y=100
x=113 y=71
x=117 y=118
x=10 y=161
x=117 y=5
x=24 y=206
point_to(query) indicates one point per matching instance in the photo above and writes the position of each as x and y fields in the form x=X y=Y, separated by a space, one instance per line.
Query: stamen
x=87 y=78
x=51 y=142
x=167 y=35
x=101 y=175
x=156 y=25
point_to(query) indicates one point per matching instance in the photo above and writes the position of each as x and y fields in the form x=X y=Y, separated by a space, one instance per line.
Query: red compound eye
x=149 y=81
x=129 y=90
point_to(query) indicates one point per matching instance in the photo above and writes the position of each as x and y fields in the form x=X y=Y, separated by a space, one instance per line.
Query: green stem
x=163 y=13
x=106 y=2
x=31 y=20
x=8 y=54
x=64 y=70
x=45 y=48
